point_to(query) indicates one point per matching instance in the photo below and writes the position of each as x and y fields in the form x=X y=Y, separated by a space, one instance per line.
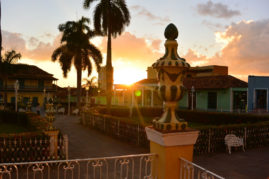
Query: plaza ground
x=88 y=143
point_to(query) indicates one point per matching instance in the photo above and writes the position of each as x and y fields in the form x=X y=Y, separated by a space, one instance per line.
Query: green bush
x=200 y=117
x=11 y=117
x=220 y=118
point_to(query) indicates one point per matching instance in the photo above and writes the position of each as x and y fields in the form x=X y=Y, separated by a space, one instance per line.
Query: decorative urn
x=171 y=69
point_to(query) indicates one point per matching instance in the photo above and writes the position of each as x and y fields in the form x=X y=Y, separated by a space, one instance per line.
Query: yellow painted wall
x=21 y=95
x=167 y=164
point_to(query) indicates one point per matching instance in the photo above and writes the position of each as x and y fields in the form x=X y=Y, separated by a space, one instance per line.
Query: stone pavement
x=252 y=164
x=87 y=143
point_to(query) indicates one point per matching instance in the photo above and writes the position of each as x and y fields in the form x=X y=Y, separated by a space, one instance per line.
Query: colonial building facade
x=206 y=88
x=36 y=86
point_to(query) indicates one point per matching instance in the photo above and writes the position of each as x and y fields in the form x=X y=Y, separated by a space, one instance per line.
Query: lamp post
x=68 y=100
x=44 y=93
x=16 y=87
x=192 y=92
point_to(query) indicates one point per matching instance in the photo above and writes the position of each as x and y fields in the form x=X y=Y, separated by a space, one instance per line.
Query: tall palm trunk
x=79 y=87
x=0 y=33
x=109 y=73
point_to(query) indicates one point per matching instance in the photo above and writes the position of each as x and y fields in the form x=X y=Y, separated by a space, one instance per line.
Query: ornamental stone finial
x=171 y=70
x=171 y=32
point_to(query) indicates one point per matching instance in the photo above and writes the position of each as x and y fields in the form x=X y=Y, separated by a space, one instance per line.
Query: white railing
x=120 y=167
x=189 y=170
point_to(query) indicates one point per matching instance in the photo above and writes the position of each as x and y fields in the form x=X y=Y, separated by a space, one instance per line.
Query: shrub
x=12 y=117
x=202 y=117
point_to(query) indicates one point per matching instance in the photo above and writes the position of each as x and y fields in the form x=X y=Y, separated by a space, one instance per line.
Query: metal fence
x=32 y=148
x=189 y=170
x=119 y=167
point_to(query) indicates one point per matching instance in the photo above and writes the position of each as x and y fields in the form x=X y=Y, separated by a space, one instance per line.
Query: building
x=36 y=86
x=258 y=87
x=207 y=88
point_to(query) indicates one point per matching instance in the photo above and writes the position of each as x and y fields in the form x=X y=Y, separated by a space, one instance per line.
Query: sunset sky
x=227 y=32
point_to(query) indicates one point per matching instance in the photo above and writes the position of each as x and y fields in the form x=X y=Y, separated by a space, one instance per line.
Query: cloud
x=144 y=12
x=212 y=25
x=132 y=48
x=246 y=51
x=32 y=48
x=218 y=10
x=132 y=55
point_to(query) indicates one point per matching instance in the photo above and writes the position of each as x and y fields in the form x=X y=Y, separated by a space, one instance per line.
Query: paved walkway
x=252 y=164
x=86 y=143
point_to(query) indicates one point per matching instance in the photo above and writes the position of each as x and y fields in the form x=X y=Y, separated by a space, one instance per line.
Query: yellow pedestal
x=169 y=148
x=53 y=142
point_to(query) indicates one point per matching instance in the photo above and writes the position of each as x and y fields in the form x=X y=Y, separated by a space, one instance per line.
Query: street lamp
x=68 y=100
x=192 y=95
x=44 y=93
x=16 y=87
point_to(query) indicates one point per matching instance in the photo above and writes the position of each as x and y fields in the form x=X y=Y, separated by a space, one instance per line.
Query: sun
x=128 y=76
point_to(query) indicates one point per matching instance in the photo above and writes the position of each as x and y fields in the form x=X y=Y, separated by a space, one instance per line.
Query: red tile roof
x=214 y=82
x=207 y=82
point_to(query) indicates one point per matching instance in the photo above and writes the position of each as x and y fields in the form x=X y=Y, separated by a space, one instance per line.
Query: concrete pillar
x=169 y=147
x=53 y=142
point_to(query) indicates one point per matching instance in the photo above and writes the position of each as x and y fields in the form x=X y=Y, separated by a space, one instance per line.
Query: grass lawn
x=11 y=128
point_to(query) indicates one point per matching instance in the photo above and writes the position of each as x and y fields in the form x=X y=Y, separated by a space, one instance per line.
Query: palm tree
x=6 y=68
x=110 y=19
x=76 y=49
x=11 y=57
x=0 y=33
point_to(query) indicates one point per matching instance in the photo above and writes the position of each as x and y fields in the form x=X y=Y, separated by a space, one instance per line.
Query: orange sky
x=231 y=33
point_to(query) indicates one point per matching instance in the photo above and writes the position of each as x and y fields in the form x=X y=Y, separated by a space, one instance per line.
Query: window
x=12 y=99
x=41 y=84
x=21 y=84
x=35 y=101
x=212 y=100
x=261 y=99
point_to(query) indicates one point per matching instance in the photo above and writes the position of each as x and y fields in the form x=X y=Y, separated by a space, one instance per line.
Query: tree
x=110 y=19
x=0 y=33
x=6 y=68
x=11 y=57
x=76 y=49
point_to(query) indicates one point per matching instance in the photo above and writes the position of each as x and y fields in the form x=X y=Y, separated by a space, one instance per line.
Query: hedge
x=202 y=117
x=12 y=117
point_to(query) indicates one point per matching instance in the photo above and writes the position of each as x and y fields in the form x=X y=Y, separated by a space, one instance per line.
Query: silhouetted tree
x=110 y=19
x=76 y=49
x=11 y=57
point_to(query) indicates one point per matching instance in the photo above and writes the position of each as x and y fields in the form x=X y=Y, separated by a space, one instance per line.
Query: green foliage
x=195 y=118
x=27 y=121
x=12 y=128
x=11 y=117
x=220 y=118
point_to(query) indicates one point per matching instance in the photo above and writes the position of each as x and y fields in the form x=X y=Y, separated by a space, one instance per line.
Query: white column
x=152 y=97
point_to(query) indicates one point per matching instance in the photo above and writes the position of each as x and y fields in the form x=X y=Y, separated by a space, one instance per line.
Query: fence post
x=245 y=136
x=66 y=146
x=209 y=137
x=53 y=142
